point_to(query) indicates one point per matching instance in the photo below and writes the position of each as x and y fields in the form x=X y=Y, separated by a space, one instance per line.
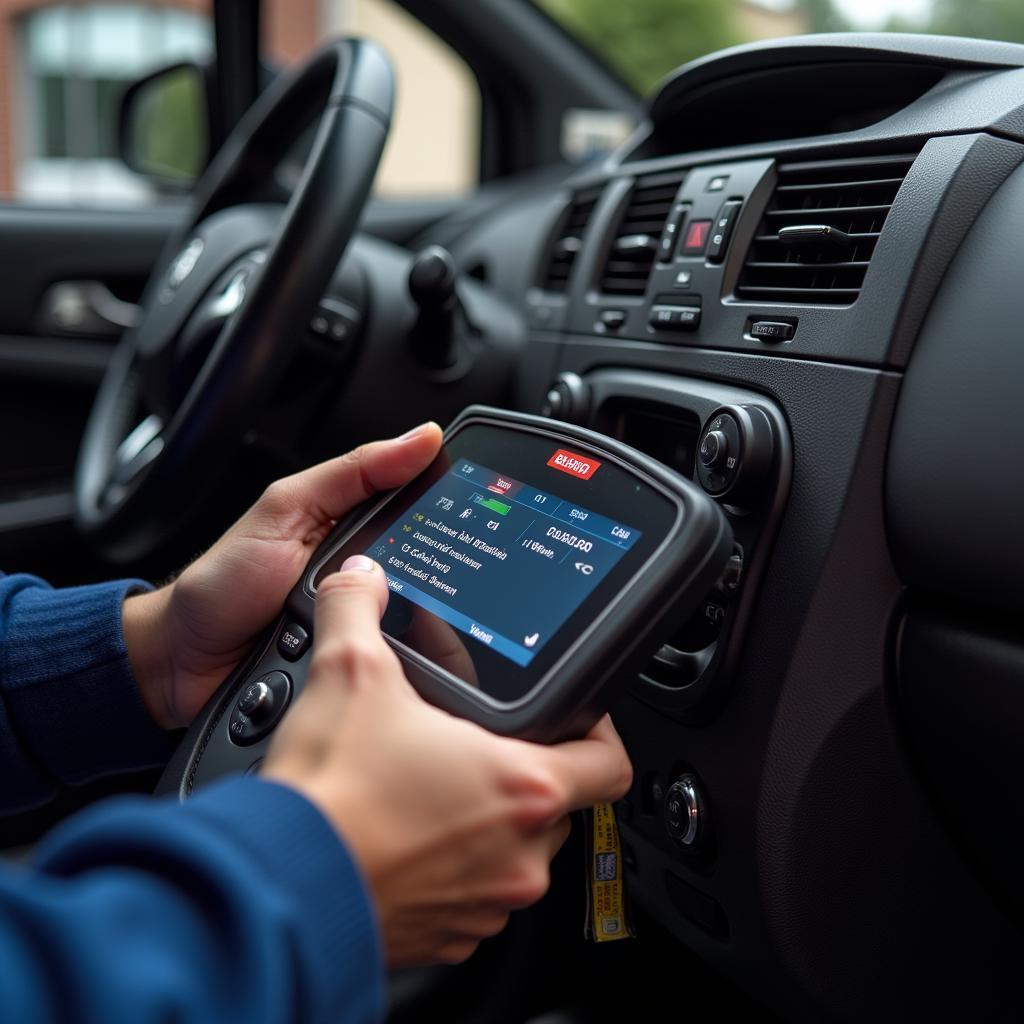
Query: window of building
x=72 y=64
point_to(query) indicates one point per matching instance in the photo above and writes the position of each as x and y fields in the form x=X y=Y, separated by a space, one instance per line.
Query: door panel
x=48 y=379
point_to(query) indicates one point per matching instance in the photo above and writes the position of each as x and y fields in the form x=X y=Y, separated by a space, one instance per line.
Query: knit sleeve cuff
x=69 y=686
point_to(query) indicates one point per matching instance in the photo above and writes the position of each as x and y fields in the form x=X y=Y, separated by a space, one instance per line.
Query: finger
x=593 y=770
x=556 y=836
x=349 y=604
x=329 y=490
x=439 y=643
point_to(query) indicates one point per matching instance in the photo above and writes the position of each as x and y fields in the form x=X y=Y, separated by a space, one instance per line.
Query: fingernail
x=415 y=432
x=358 y=563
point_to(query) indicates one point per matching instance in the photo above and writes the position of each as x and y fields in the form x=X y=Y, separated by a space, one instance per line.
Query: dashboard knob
x=735 y=454
x=567 y=399
x=714 y=449
x=684 y=811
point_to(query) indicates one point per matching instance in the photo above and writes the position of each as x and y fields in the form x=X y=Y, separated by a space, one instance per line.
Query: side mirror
x=165 y=126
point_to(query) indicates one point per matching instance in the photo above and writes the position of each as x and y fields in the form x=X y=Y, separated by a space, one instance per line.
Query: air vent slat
x=567 y=242
x=814 y=211
x=821 y=186
x=635 y=240
x=766 y=265
x=854 y=198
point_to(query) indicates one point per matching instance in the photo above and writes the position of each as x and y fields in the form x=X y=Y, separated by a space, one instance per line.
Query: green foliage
x=821 y=16
x=645 y=39
x=986 y=19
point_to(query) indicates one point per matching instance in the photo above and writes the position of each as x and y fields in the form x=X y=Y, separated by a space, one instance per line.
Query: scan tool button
x=259 y=708
x=293 y=642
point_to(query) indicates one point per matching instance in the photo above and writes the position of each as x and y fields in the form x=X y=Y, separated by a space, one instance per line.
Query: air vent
x=567 y=241
x=820 y=230
x=637 y=235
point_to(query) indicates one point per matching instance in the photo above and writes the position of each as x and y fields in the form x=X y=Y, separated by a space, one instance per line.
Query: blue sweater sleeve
x=239 y=905
x=70 y=710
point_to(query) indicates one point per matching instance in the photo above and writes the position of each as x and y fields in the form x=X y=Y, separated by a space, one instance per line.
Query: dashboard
x=797 y=284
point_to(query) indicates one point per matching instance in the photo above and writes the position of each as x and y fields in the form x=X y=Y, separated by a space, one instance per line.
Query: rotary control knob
x=735 y=454
x=259 y=708
x=567 y=399
x=257 y=701
x=684 y=811
x=714 y=449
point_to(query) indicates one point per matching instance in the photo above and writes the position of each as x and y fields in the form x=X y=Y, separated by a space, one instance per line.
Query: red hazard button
x=696 y=237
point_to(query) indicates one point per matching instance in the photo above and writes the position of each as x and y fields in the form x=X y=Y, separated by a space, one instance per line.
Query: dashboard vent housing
x=841 y=206
x=635 y=244
x=568 y=241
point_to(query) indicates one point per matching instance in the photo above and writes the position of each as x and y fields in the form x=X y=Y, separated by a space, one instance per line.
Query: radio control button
x=675 y=318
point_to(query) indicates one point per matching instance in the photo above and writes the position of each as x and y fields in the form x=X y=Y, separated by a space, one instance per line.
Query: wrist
x=144 y=617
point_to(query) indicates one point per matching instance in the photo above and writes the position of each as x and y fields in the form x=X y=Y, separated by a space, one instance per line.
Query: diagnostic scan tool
x=531 y=566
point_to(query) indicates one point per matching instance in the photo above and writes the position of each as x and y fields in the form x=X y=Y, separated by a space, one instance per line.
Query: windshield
x=643 y=40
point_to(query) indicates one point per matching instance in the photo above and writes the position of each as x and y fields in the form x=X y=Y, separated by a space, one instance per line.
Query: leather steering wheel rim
x=133 y=487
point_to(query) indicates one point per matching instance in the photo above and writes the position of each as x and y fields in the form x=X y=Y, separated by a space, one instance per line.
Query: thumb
x=346 y=630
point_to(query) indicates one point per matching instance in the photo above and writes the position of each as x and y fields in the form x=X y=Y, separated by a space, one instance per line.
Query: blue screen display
x=499 y=561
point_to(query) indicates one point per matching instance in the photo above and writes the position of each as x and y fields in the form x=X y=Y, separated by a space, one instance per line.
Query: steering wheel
x=220 y=311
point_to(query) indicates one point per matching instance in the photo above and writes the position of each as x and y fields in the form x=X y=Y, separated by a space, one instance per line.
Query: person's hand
x=452 y=826
x=184 y=639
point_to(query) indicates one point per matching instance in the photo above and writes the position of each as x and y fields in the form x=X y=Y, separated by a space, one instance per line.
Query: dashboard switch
x=675 y=318
x=670 y=232
x=772 y=330
x=612 y=319
x=696 y=238
x=684 y=811
x=724 y=223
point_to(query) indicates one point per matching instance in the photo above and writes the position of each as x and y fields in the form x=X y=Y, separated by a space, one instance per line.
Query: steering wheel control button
x=771 y=330
x=293 y=642
x=684 y=811
x=724 y=223
x=713 y=449
x=259 y=708
x=675 y=318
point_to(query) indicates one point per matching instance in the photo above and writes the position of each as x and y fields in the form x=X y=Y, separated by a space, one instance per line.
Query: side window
x=434 y=147
x=60 y=92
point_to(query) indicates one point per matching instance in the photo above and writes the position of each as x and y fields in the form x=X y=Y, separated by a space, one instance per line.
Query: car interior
x=789 y=278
